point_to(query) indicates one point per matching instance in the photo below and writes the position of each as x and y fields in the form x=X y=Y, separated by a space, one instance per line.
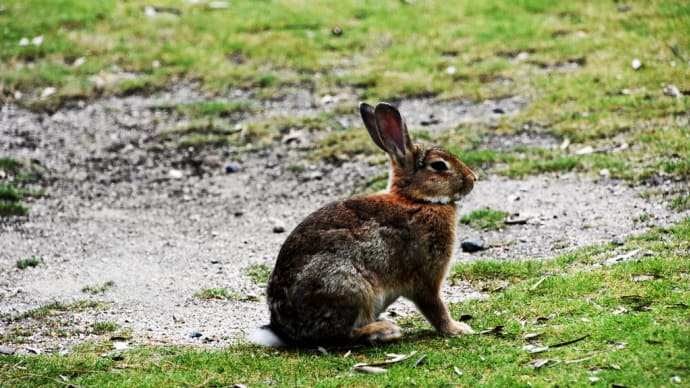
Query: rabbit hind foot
x=377 y=332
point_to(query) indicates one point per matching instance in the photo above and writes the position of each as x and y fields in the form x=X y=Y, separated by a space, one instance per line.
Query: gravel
x=114 y=211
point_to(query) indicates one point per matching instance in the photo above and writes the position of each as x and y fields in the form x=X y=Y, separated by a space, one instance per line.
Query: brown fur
x=346 y=262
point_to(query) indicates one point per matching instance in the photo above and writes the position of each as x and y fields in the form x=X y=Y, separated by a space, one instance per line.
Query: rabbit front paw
x=458 y=328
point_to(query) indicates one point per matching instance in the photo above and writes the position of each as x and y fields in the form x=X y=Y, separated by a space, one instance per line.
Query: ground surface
x=165 y=224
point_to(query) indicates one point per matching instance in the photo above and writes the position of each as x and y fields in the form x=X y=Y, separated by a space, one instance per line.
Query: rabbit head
x=418 y=173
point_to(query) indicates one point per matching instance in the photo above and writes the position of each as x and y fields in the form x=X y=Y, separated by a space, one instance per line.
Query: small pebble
x=232 y=168
x=472 y=245
x=618 y=241
x=175 y=174
x=636 y=64
x=278 y=229
x=195 y=334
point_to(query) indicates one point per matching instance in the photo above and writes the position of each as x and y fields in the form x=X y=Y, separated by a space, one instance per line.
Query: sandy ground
x=115 y=213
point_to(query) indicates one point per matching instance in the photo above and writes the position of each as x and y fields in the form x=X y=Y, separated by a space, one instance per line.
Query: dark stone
x=618 y=241
x=472 y=245
x=499 y=111
x=232 y=168
x=278 y=229
x=195 y=334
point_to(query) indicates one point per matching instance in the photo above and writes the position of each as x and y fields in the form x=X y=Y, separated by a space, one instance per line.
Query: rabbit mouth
x=445 y=199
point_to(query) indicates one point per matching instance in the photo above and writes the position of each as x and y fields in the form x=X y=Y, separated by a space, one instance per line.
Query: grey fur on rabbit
x=348 y=261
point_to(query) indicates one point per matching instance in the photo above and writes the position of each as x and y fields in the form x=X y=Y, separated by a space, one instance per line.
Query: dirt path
x=116 y=213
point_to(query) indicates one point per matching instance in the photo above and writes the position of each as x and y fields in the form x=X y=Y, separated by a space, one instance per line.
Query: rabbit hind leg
x=377 y=332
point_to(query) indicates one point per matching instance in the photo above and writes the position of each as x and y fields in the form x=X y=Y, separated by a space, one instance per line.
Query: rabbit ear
x=367 y=112
x=393 y=132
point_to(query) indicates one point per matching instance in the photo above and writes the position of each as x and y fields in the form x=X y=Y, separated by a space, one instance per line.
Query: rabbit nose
x=472 y=174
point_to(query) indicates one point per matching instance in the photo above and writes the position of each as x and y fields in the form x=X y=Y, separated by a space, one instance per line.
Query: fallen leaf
x=619 y=310
x=570 y=342
x=540 y=281
x=419 y=362
x=584 y=151
x=538 y=363
x=120 y=345
x=672 y=90
x=372 y=367
x=515 y=221
x=369 y=369
x=79 y=61
x=644 y=277
x=623 y=257
x=531 y=336
x=47 y=92
x=535 y=349
x=498 y=330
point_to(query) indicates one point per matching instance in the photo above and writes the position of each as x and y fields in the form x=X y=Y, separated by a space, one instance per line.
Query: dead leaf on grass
x=369 y=369
x=570 y=342
x=419 y=362
x=373 y=367
x=538 y=363
x=531 y=336
x=644 y=277
x=497 y=331
x=620 y=310
x=545 y=319
x=538 y=283
x=535 y=349
x=624 y=257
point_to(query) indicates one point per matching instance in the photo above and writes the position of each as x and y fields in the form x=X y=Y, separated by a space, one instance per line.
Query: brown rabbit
x=348 y=261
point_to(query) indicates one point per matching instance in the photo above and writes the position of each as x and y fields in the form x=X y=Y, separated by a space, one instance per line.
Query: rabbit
x=347 y=262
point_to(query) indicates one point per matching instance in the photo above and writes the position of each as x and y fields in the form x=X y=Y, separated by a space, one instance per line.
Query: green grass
x=485 y=219
x=213 y=108
x=681 y=202
x=385 y=51
x=628 y=320
x=223 y=294
x=258 y=273
x=30 y=262
x=15 y=176
x=98 y=289
x=54 y=308
x=102 y=327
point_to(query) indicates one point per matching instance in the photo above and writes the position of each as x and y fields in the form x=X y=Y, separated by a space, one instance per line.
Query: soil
x=165 y=224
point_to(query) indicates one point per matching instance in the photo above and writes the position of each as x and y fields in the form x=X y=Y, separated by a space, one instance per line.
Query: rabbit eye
x=439 y=165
